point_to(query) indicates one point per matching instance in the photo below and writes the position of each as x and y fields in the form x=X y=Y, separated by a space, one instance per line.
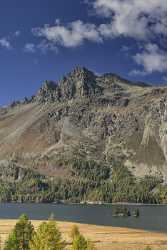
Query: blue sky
x=45 y=39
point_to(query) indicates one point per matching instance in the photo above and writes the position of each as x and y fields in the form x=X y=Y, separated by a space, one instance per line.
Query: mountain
x=80 y=132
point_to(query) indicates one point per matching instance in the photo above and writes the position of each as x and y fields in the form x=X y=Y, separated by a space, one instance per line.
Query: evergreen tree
x=148 y=248
x=74 y=231
x=79 y=243
x=90 y=246
x=0 y=243
x=11 y=242
x=47 y=237
x=20 y=236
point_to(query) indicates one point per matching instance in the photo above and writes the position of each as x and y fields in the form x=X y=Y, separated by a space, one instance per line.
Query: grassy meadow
x=104 y=238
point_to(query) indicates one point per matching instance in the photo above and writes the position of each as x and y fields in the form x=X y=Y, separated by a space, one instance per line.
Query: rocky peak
x=48 y=92
x=82 y=73
x=48 y=85
x=79 y=83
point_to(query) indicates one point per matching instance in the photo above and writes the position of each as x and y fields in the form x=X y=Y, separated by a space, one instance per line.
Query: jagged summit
x=81 y=71
x=49 y=85
x=48 y=91
x=80 y=83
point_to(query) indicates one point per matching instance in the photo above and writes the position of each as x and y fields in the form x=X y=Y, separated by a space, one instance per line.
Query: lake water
x=152 y=217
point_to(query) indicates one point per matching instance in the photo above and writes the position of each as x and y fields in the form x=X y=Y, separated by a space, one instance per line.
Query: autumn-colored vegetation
x=46 y=237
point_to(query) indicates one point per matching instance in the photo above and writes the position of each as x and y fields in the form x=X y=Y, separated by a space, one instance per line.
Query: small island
x=125 y=212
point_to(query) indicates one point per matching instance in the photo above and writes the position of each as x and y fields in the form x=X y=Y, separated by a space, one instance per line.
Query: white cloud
x=5 y=43
x=17 y=33
x=71 y=36
x=152 y=59
x=142 y=20
x=136 y=72
x=139 y=19
x=125 y=48
x=29 y=47
x=45 y=46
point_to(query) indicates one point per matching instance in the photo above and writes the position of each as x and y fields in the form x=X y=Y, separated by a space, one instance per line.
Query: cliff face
x=103 y=118
x=78 y=84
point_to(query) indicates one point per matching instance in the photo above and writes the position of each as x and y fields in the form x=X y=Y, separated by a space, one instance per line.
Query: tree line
x=89 y=181
x=46 y=237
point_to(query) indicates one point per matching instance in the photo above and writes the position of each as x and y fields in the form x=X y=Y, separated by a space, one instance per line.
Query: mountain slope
x=105 y=120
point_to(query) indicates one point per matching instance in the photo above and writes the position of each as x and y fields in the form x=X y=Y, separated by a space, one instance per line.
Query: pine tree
x=90 y=246
x=79 y=243
x=74 y=231
x=20 y=236
x=0 y=243
x=12 y=242
x=148 y=248
x=47 y=237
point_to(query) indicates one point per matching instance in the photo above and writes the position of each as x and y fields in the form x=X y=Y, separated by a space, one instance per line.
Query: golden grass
x=105 y=238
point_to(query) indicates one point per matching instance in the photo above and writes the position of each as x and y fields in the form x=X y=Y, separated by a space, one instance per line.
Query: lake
x=152 y=217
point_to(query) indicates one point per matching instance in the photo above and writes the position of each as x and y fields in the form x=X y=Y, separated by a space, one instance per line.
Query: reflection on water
x=151 y=217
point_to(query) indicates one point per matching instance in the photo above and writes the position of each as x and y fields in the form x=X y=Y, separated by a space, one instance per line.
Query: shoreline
x=88 y=203
x=104 y=237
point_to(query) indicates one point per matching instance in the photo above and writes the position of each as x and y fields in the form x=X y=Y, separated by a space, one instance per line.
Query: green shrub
x=20 y=236
x=47 y=237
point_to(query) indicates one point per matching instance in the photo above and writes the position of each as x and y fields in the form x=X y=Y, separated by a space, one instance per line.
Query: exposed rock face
x=79 y=83
x=48 y=92
x=101 y=117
